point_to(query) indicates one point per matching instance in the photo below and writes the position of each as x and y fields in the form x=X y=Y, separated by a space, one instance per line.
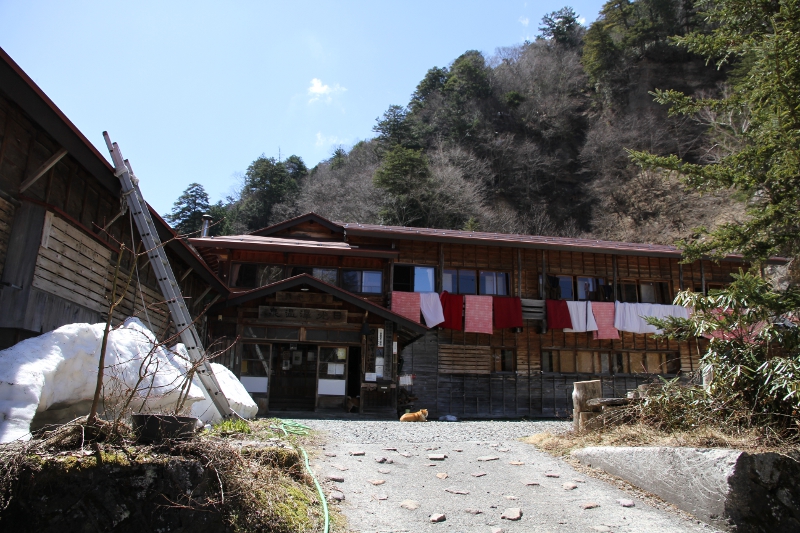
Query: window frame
x=232 y=279
x=618 y=362
x=413 y=277
x=361 y=272
x=477 y=272
x=498 y=360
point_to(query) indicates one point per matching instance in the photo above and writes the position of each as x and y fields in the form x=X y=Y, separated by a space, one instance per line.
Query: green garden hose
x=289 y=426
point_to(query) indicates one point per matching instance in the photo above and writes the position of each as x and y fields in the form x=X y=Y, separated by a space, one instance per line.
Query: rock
x=329 y=454
x=337 y=495
x=357 y=452
x=436 y=456
x=516 y=463
x=503 y=449
x=377 y=481
x=411 y=505
x=478 y=474
x=456 y=491
x=457 y=450
x=494 y=445
x=441 y=475
x=626 y=503
x=590 y=505
x=578 y=480
x=569 y=486
x=335 y=477
x=601 y=528
x=512 y=513
x=511 y=497
x=549 y=474
x=383 y=470
x=529 y=483
x=473 y=511
x=339 y=467
x=381 y=497
x=405 y=454
x=488 y=458
x=497 y=530
x=380 y=459
x=438 y=517
x=389 y=449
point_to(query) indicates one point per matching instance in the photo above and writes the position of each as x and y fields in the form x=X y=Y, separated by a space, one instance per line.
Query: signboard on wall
x=301 y=314
x=380 y=337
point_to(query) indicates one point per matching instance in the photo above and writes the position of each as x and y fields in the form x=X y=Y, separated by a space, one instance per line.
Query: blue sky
x=195 y=91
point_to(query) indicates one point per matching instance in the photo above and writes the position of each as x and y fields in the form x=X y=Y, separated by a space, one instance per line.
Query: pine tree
x=188 y=210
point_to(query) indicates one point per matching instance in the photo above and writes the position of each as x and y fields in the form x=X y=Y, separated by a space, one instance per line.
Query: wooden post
x=582 y=393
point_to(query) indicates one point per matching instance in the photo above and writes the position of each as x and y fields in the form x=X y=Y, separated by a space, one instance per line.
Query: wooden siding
x=459 y=359
x=77 y=268
x=6 y=219
x=453 y=374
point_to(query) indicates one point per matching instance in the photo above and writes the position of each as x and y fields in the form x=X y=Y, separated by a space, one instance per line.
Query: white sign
x=370 y=376
x=394 y=347
x=380 y=337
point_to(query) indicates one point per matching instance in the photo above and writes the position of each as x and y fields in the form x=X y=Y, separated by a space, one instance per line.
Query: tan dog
x=419 y=416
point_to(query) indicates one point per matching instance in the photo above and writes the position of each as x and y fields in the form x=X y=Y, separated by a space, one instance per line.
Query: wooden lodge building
x=61 y=226
x=302 y=311
x=311 y=305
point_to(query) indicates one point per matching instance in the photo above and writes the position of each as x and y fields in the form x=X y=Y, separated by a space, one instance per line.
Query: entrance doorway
x=293 y=384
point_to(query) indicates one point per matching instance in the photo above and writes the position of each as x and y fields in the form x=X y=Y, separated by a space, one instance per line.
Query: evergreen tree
x=188 y=210
x=761 y=112
x=562 y=27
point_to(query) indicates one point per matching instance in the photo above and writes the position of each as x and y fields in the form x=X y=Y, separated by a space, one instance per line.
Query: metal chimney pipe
x=206 y=224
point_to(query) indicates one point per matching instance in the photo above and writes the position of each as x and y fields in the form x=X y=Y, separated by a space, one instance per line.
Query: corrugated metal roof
x=514 y=239
x=278 y=244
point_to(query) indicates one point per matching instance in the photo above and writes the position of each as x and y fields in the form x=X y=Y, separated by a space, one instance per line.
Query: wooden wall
x=453 y=372
x=80 y=268
x=6 y=219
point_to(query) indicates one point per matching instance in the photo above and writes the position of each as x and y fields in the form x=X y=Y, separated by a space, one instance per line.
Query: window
x=495 y=283
x=648 y=292
x=464 y=281
x=252 y=275
x=604 y=362
x=255 y=359
x=366 y=281
x=594 y=289
x=328 y=275
x=414 y=279
x=332 y=363
x=504 y=360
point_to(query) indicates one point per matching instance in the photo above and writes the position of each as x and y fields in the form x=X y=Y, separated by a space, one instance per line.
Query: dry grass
x=642 y=434
x=263 y=486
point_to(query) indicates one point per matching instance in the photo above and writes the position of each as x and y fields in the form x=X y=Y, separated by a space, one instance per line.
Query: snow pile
x=234 y=391
x=58 y=370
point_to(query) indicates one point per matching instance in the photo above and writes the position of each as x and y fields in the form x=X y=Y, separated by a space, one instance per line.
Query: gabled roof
x=286 y=224
x=309 y=281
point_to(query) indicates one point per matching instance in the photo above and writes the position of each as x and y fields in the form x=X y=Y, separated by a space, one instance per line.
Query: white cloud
x=320 y=92
x=524 y=20
x=582 y=21
x=327 y=140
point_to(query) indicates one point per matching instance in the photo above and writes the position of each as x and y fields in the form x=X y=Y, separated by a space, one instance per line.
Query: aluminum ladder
x=166 y=278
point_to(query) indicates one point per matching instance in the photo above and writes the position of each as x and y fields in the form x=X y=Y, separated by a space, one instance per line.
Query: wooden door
x=294 y=382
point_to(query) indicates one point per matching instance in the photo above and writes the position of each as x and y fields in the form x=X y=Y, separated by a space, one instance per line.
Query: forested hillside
x=532 y=139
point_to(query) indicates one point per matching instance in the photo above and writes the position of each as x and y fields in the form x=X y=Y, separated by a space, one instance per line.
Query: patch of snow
x=59 y=369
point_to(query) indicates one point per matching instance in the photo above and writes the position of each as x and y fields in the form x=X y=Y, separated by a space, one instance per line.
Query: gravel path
x=392 y=481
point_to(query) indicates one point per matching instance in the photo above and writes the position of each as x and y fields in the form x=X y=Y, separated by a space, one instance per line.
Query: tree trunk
x=582 y=393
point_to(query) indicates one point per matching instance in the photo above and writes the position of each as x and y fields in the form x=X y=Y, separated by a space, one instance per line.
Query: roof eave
x=305 y=279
